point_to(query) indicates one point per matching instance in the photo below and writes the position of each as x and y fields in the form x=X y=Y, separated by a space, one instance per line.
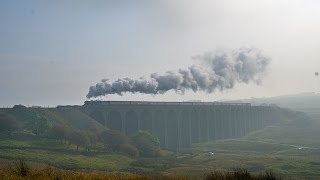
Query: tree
x=93 y=136
x=39 y=125
x=78 y=137
x=58 y=131
x=93 y=139
x=113 y=139
x=147 y=144
x=8 y=123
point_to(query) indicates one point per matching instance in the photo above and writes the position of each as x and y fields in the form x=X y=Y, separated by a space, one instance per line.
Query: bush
x=113 y=139
x=129 y=149
x=39 y=125
x=97 y=146
x=8 y=123
x=78 y=137
x=58 y=132
x=147 y=144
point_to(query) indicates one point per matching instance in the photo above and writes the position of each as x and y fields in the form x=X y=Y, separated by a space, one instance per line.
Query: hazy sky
x=51 y=52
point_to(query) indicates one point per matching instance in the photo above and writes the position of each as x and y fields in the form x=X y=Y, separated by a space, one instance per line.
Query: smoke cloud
x=219 y=70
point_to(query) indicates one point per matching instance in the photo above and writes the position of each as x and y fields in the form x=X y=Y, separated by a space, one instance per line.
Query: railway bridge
x=179 y=124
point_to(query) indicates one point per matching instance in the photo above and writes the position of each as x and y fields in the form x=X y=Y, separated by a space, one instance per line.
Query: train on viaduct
x=179 y=124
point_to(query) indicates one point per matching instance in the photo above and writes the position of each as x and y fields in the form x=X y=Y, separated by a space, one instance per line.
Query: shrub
x=78 y=137
x=8 y=123
x=97 y=146
x=129 y=149
x=39 y=125
x=58 y=132
x=113 y=139
x=147 y=144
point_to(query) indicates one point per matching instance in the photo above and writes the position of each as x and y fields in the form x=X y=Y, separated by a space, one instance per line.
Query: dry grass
x=21 y=170
x=241 y=174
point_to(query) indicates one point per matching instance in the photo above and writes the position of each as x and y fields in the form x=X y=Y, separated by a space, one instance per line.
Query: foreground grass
x=56 y=174
x=22 y=170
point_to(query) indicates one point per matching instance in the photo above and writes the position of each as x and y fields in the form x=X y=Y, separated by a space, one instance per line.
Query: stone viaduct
x=179 y=124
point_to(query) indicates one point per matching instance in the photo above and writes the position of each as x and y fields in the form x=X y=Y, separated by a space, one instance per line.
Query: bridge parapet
x=106 y=103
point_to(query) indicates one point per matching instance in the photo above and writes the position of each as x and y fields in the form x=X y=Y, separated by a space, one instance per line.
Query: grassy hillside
x=307 y=136
x=68 y=116
x=304 y=102
x=77 y=119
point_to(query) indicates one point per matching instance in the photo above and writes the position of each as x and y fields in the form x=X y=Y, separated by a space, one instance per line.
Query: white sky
x=51 y=52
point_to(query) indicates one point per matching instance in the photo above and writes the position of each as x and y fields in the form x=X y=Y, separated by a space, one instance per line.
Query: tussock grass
x=20 y=168
x=241 y=174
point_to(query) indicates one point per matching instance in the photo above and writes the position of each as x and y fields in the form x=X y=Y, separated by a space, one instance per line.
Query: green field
x=70 y=160
x=53 y=153
x=287 y=148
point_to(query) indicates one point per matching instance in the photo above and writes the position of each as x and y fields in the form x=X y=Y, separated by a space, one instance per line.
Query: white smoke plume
x=217 y=70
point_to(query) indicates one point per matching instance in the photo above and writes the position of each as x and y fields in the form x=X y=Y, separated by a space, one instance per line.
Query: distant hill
x=305 y=102
x=69 y=116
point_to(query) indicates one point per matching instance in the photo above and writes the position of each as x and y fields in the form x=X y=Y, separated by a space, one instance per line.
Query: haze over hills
x=308 y=102
x=277 y=144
